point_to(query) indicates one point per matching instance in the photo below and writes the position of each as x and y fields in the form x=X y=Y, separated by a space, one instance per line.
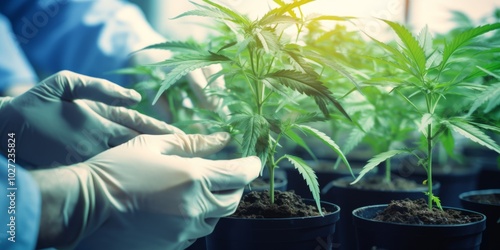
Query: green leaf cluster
x=440 y=81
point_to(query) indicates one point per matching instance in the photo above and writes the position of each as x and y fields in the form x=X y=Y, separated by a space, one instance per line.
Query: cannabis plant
x=439 y=81
x=271 y=80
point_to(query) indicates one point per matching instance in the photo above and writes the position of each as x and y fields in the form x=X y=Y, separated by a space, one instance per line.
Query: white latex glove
x=69 y=117
x=153 y=192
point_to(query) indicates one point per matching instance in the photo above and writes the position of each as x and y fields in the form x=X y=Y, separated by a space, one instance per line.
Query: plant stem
x=388 y=170
x=272 y=166
x=271 y=183
x=429 y=166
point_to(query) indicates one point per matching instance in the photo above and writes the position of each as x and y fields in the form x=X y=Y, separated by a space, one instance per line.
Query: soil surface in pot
x=286 y=205
x=417 y=212
x=493 y=199
x=377 y=182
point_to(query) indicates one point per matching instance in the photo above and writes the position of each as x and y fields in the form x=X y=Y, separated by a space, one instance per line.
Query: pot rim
x=334 y=213
x=463 y=196
x=381 y=206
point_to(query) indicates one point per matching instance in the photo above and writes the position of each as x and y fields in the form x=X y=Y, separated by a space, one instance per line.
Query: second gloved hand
x=69 y=117
x=154 y=192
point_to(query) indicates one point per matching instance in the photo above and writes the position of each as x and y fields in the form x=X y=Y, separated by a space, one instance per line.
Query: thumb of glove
x=69 y=86
x=184 y=145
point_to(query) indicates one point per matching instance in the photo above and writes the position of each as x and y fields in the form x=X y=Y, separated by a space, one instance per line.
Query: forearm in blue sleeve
x=14 y=67
x=88 y=37
x=20 y=205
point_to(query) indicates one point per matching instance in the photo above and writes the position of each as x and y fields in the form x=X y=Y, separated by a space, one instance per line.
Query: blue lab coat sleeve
x=91 y=37
x=20 y=206
x=14 y=67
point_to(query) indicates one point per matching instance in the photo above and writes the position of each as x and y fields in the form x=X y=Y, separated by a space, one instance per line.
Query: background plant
x=271 y=81
x=432 y=77
x=383 y=122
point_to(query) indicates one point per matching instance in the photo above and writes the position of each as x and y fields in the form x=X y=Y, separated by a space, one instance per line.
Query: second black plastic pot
x=394 y=236
x=276 y=233
x=492 y=212
x=350 y=198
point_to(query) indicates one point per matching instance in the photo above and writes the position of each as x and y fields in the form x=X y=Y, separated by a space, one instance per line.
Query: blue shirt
x=93 y=37
x=20 y=206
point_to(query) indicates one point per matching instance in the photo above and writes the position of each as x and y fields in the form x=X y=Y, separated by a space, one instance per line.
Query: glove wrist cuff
x=92 y=207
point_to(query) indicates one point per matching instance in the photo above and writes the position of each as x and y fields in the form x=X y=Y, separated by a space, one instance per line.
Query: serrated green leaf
x=401 y=61
x=308 y=85
x=268 y=40
x=326 y=140
x=462 y=39
x=237 y=18
x=175 y=46
x=493 y=128
x=182 y=65
x=297 y=139
x=138 y=70
x=483 y=70
x=298 y=61
x=255 y=139
x=328 y=62
x=491 y=95
x=309 y=176
x=426 y=120
x=315 y=17
x=276 y=19
x=472 y=133
x=286 y=8
x=216 y=11
x=411 y=45
x=375 y=161
x=356 y=135
x=425 y=41
x=448 y=142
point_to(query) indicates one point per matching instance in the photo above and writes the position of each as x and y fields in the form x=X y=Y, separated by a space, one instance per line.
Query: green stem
x=271 y=183
x=388 y=170
x=429 y=165
x=272 y=166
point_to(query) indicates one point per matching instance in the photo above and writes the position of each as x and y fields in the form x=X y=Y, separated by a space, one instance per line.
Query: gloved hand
x=154 y=192
x=69 y=117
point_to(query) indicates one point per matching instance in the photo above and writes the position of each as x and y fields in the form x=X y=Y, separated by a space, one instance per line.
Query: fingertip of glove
x=254 y=162
x=135 y=95
x=222 y=136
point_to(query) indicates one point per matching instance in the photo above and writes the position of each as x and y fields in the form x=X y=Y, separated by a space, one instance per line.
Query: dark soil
x=377 y=182
x=286 y=205
x=493 y=199
x=417 y=212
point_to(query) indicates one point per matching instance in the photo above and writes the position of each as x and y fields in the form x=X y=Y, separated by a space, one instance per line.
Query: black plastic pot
x=260 y=184
x=350 y=198
x=492 y=212
x=394 y=236
x=280 y=233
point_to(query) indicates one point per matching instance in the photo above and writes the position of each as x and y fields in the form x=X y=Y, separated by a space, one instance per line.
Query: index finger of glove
x=186 y=145
x=70 y=86
x=132 y=119
x=226 y=175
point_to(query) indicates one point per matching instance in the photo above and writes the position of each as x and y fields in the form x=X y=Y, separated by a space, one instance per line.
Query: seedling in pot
x=431 y=78
x=270 y=80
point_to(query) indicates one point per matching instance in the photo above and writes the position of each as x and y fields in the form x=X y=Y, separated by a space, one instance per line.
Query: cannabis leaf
x=309 y=176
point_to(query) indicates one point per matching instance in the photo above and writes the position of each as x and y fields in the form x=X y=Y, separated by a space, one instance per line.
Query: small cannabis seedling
x=431 y=79
x=270 y=79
